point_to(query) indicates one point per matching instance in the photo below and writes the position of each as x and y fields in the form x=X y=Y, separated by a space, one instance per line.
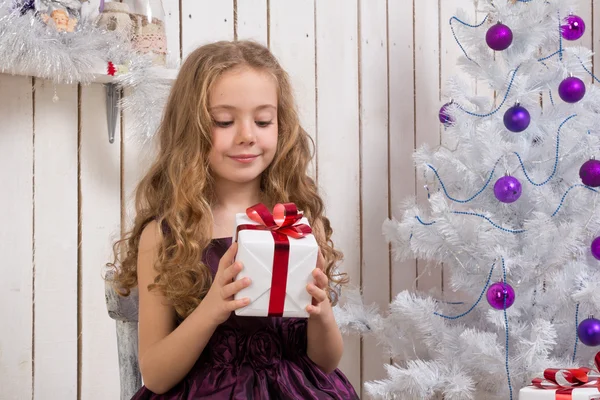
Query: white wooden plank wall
x=402 y=136
x=292 y=40
x=450 y=52
x=16 y=238
x=100 y=220
x=369 y=79
x=55 y=241
x=373 y=161
x=338 y=130
x=427 y=102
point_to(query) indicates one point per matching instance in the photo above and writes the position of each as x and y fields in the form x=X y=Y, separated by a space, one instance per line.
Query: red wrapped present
x=565 y=384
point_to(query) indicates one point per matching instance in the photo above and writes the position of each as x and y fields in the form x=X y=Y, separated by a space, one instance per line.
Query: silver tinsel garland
x=30 y=47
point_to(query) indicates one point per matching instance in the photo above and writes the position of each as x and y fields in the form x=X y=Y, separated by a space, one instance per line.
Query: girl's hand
x=318 y=289
x=219 y=302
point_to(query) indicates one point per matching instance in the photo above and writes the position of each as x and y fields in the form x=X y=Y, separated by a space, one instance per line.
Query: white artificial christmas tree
x=512 y=206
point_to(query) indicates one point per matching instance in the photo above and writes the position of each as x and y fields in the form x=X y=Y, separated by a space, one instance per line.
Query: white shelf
x=101 y=74
x=166 y=74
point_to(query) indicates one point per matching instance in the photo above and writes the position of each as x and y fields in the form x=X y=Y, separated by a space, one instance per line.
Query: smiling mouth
x=244 y=158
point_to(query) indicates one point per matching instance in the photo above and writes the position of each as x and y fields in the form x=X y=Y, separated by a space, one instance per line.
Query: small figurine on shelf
x=60 y=19
x=61 y=14
x=71 y=6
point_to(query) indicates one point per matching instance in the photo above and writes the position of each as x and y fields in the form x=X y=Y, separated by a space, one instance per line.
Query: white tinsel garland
x=30 y=47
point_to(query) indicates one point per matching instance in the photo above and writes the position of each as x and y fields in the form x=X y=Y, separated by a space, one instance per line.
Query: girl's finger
x=228 y=257
x=313 y=310
x=320 y=278
x=318 y=294
x=237 y=304
x=320 y=261
x=234 y=287
x=229 y=273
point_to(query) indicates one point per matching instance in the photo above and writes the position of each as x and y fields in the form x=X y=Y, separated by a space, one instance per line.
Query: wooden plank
x=374 y=172
x=100 y=208
x=338 y=174
x=482 y=86
x=172 y=24
x=252 y=20
x=55 y=336
x=427 y=126
x=137 y=155
x=205 y=21
x=595 y=18
x=16 y=237
x=582 y=8
x=450 y=53
x=293 y=43
x=401 y=126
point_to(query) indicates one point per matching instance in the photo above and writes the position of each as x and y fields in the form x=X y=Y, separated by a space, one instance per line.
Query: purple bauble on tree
x=588 y=331
x=499 y=37
x=571 y=90
x=590 y=173
x=507 y=189
x=517 y=118
x=595 y=248
x=574 y=27
x=499 y=291
x=445 y=118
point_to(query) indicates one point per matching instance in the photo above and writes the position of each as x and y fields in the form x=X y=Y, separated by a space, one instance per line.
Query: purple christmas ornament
x=507 y=189
x=571 y=90
x=499 y=291
x=589 y=331
x=590 y=173
x=517 y=118
x=574 y=27
x=445 y=118
x=595 y=248
x=499 y=37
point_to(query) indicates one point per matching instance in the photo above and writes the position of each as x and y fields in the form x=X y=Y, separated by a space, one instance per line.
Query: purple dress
x=255 y=358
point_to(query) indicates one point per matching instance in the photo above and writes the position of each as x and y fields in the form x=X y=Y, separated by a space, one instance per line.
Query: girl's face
x=243 y=105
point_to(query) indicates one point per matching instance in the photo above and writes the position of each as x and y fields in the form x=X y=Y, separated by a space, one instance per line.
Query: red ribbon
x=566 y=380
x=282 y=224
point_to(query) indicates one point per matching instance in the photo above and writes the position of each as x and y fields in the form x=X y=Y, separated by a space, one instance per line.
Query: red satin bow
x=565 y=380
x=283 y=220
x=282 y=224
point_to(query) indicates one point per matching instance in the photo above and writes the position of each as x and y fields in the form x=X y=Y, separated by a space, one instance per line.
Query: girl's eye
x=223 y=124
x=263 y=124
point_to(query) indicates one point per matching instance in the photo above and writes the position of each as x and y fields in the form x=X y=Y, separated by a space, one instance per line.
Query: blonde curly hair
x=178 y=190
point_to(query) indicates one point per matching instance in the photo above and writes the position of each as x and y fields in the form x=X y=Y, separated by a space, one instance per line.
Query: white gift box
x=580 y=393
x=256 y=250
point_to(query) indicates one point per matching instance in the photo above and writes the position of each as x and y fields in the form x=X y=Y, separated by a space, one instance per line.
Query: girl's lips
x=244 y=158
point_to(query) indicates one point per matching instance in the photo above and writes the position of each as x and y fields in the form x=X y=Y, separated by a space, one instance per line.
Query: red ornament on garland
x=111 y=70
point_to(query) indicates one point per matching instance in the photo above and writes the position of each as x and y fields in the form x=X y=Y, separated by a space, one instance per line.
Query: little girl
x=229 y=138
